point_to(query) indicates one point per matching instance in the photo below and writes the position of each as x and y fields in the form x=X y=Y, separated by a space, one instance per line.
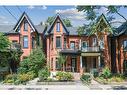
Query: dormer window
x=102 y=43
x=94 y=41
x=25 y=25
x=125 y=44
x=58 y=26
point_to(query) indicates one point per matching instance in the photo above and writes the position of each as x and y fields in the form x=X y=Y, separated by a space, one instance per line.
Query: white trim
x=24 y=16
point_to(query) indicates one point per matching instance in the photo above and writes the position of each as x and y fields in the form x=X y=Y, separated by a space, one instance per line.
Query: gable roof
x=102 y=17
x=24 y=15
x=49 y=29
x=6 y=28
x=122 y=29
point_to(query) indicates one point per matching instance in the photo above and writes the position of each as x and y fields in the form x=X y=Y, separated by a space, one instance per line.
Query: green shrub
x=44 y=74
x=33 y=63
x=116 y=79
x=64 y=76
x=86 y=77
x=24 y=66
x=95 y=72
x=10 y=78
x=106 y=73
x=23 y=78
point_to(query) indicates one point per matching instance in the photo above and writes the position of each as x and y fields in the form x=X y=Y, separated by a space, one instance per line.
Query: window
x=125 y=45
x=52 y=42
x=25 y=25
x=64 y=42
x=25 y=41
x=57 y=64
x=51 y=64
x=72 y=45
x=33 y=42
x=58 y=42
x=102 y=43
x=94 y=41
x=24 y=57
x=94 y=63
x=85 y=44
x=125 y=66
x=14 y=41
x=58 y=27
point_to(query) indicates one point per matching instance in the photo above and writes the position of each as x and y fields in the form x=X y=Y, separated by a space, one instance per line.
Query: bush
x=64 y=76
x=116 y=79
x=33 y=63
x=44 y=74
x=10 y=78
x=23 y=78
x=106 y=73
x=24 y=66
x=86 y=77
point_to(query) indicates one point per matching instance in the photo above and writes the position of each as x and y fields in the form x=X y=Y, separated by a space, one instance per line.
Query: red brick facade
x=77 y=59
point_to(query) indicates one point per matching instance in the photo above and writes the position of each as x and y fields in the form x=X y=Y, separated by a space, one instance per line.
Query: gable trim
x=24 y=15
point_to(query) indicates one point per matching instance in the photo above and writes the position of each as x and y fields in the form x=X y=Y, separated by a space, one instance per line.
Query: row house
x=83 y=53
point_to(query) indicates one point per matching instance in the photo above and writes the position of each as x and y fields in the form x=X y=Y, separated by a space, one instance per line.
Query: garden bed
x=109 y=81
x=56 y=83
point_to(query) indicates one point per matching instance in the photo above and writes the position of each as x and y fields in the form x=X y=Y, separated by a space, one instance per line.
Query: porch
x=84 y=60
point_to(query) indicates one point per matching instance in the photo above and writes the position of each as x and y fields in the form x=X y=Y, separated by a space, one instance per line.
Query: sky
x=39 y=14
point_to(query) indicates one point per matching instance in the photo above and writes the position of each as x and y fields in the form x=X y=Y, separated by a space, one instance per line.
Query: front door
x=73 y=65
x=125 y=67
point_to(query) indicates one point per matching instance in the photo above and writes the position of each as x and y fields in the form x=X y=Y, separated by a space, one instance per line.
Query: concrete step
x=76 y=76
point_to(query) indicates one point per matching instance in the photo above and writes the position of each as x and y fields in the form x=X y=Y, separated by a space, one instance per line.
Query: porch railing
x=91 y=49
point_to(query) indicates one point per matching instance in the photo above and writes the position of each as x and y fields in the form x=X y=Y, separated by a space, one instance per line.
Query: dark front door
x=74 y=64
x=84 y=63
x=125 y=67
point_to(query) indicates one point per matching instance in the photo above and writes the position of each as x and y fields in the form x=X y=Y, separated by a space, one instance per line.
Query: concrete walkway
x=78 y=85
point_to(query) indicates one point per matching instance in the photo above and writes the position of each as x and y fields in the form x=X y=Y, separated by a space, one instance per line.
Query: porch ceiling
x=70 y=52
x=90 y=54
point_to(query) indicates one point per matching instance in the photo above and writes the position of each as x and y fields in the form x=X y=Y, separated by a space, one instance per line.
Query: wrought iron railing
x=91 y=49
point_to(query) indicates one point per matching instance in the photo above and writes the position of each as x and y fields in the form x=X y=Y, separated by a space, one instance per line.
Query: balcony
x=69 y=51
x=90 y=49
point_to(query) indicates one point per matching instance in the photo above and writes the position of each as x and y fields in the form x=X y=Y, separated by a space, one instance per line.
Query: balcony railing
x=91 y=49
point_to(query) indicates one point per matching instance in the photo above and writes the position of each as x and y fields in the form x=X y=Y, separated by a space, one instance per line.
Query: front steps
x=76 y=76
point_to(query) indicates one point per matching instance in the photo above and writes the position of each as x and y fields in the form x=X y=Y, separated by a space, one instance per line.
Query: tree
x=4 y=42
x=66 y=21
x=91 y=11
x=61 y=61
x=34 y=62
x=50 y=20
x=80 y=31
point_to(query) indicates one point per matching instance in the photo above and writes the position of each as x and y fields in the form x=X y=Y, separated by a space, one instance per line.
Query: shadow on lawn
x=119 y=88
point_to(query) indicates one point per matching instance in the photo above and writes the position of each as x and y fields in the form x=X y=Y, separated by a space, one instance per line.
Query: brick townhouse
x=83 y=53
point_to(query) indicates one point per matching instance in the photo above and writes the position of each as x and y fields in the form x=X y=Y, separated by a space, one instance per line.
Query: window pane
x=25 y=25
x=25 y=40
x=33 y=42
x=72 y=45
x=125 y=44
x=94 y=41
x=58 y=26
x=58 y=42
x=85 y=44
x=102 y=43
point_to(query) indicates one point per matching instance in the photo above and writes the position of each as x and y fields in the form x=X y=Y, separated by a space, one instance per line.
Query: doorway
x=73 y=65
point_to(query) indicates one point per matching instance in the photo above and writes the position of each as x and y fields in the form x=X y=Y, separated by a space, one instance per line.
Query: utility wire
x=10 y=13
x=19 y=9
